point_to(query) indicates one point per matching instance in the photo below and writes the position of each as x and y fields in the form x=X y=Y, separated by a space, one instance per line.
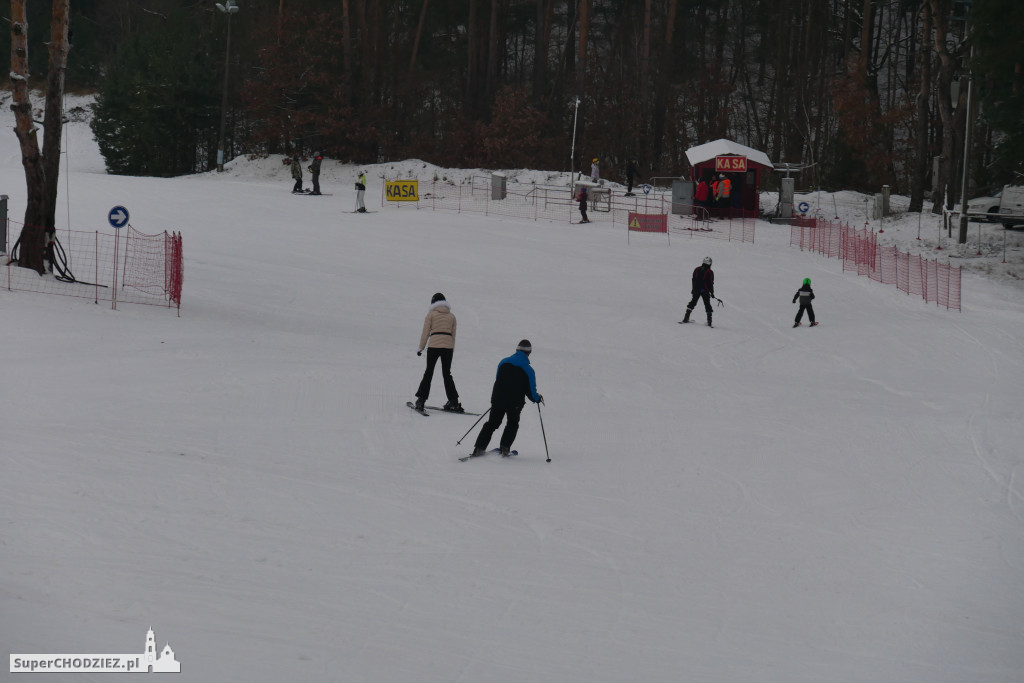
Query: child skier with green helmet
x=806 y=295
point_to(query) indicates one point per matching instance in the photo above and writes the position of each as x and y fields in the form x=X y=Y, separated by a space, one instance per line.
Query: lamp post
x=572 y=155
x=229 y=7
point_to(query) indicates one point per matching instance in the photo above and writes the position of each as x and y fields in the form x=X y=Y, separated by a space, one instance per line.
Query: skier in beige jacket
x=438 y=338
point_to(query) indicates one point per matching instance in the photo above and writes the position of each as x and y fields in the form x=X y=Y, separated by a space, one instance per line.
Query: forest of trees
x=862 y=92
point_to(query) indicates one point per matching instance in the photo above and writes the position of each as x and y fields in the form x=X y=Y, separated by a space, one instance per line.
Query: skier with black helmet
x=806 y=296
x=515 y=382
x=439 y=334
x=703 y=288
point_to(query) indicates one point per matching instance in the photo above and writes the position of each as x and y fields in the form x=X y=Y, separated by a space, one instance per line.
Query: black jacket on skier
x=806 y=296
x=703 y=288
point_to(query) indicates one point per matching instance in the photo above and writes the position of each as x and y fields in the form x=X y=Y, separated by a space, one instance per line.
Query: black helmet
x=437 y=297
x=525 y=346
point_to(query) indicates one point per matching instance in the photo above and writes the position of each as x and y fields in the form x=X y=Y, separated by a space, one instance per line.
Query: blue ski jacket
x=515 y=381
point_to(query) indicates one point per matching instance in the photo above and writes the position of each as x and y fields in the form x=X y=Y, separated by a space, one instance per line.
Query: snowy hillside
x=751 y=502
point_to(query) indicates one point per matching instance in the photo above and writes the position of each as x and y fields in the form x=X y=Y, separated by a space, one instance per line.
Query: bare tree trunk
x=921 y=161
x=416 y=40
x=947 y=189
x=581 y=60
x=645 y=63
x=472 y=59
x=545 y=10
x=494 y=53
x=53 y=125
x=31 y=242
x=583 y=9
x=665 y=81
x=346 y=47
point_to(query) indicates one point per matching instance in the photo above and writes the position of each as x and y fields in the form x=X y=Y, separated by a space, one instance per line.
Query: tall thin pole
x=224 y=100
x=968 y=129
x=572 y=156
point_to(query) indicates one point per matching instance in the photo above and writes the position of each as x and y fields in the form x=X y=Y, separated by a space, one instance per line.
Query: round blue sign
x=803 y=206
x=647 y=188
x=118 y=217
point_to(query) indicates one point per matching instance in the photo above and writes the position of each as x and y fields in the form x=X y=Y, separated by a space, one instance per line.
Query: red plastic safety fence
x=860 y=252
x=125 y=267
x=538 y=202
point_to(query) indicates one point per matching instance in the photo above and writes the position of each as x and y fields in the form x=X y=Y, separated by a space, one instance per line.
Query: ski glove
x=419 y=352
x=540 y=398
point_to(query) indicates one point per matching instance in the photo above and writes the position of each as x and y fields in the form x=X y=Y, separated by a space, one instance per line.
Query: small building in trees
x=741 y=164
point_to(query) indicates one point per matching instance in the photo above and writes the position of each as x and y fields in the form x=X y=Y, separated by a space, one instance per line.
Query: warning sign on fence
x=648 y=222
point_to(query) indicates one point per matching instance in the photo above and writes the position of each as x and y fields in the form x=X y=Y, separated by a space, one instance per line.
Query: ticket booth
x=742 y=165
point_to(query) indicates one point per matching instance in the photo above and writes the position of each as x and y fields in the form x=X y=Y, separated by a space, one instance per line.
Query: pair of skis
x=493 y=450
x=424 y=410
x=480 y=416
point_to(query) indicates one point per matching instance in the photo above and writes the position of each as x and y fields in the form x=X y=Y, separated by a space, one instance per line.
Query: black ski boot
x=505 y=451
x=421 y=403
x=709 y=320
x=686 y=318
x=454 y=407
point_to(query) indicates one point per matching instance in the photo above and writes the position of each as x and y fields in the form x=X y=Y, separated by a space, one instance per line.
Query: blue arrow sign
x=118 y=217
x=647 y=189
x=803 y=206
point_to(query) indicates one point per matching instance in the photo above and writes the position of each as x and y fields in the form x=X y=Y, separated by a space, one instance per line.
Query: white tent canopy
x=710 y=150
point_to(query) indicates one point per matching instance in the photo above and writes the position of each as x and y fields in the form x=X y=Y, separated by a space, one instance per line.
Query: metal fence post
x=3 y=223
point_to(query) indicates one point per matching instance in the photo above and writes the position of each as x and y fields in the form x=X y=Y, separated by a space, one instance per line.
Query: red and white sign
x=648 y=222
x=730 y=164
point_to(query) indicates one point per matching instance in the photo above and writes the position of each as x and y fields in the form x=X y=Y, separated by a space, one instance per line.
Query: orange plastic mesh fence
x=124 y=267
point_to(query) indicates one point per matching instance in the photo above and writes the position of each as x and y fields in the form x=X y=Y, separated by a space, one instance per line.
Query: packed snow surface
x=751 y=502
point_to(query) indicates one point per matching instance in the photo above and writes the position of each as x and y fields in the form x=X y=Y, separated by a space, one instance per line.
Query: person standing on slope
x=360 y=191
x=314 y=170
x=296 y=174
x=703 y=193
x=631 y=175
x=703 y=288
x=806 y=296
x=582 y=198
x=595 y=171
x=515 y=382
x=439 y=333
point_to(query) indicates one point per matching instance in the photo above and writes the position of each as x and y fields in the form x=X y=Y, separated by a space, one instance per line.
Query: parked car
x=1011 y=206
x=985 y=205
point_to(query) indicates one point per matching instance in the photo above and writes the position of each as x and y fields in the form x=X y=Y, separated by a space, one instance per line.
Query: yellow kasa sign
x=402 y=190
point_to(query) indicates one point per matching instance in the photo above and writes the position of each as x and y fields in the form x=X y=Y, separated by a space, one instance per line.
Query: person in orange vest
x=723 y=191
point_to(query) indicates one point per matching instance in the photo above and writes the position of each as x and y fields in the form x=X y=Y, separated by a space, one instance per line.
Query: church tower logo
x=152 y=660
x=162 y=663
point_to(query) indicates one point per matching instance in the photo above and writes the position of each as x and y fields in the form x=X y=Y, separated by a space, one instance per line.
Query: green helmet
x=807 y=281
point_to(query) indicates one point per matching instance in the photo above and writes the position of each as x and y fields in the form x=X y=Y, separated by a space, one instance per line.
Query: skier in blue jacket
x=514 y=383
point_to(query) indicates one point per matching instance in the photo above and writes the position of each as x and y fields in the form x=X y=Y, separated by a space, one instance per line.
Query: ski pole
x=546 y=452
x=720 y=302
x=474 y=425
